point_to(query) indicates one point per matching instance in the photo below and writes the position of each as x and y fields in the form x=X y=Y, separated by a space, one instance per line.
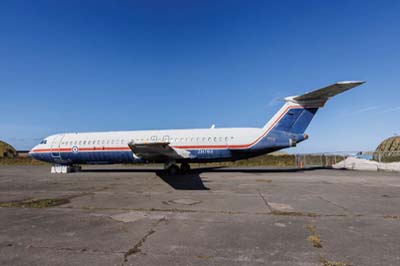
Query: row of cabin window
x=122 y=141
x=92 y=142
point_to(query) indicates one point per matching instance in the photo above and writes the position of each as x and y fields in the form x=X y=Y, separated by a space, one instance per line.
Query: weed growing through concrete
x=264 y=180
x=286 y=213
x=34 y=203
x=325 y=262
x=314 y=238
x=396 y=217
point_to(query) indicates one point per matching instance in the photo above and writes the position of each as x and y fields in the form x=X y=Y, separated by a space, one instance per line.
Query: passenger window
x=84 y=142
x=204 y=139
x=226 y=138
x=215 y=139
x=80 y=142
x=209 y=139
x=89 y=142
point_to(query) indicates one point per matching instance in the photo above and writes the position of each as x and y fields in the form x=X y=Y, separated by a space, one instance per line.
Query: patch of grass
x=396 y=217
x=264 y=180
x=315 y=240
x=34 y=203
x=287 y=213
x=21 y=161
x=325 y=262
x=312 y=228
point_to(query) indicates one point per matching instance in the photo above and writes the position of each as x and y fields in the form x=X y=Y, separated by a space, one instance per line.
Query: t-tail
x=292 y=120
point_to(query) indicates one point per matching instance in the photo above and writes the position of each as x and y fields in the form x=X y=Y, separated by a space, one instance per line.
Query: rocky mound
x=6 y=150
x=388 y=150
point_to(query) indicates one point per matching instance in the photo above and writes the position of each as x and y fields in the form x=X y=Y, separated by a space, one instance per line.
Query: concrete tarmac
x=117 y=215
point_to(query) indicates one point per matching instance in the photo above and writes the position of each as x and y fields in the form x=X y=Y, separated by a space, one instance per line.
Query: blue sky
x=68 y=66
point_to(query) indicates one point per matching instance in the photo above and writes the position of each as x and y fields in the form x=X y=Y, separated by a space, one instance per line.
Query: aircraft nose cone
x=31 y=153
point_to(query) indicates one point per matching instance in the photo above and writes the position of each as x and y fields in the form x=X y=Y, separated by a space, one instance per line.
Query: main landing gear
x=173 y=169
x=185 y=167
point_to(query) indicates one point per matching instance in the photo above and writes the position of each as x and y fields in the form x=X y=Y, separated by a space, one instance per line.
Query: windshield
x=43 y=141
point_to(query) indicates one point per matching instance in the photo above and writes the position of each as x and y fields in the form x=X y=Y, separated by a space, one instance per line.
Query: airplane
x=184 y=146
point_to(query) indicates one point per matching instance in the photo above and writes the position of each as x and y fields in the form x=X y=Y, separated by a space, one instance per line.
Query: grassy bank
x=20 y=161
x=276 y=160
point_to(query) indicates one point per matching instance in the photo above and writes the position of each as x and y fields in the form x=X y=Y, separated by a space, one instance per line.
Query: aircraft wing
x=157 y=151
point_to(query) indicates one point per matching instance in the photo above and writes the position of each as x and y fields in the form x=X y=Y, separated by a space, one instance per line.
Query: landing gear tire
x=185 y=167
x=173 y=170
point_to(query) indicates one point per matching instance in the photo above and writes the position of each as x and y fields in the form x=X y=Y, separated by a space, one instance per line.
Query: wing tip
x=355 y=82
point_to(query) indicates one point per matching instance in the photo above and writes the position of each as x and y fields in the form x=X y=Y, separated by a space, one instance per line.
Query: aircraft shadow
x=125 y=170
x=265 y=170
x=189 y=181
x=192 y=180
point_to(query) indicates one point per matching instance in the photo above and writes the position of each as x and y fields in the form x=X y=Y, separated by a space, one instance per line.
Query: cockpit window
x=43 y=141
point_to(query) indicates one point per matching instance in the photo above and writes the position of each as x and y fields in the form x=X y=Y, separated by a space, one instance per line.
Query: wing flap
x=157 y=151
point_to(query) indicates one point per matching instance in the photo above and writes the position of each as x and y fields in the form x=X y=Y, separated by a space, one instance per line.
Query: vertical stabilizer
x=298 y=111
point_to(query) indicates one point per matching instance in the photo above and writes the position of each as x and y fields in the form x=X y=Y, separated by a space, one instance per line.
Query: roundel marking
x=75 y=149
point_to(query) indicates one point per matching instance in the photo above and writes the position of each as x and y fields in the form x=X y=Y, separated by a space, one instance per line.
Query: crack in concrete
x=273 y=212
x=265 y=201
x=137 y=247
x=335 y=204
x=71 y=249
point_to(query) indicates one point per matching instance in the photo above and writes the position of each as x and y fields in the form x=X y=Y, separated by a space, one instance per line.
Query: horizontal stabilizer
x=320 y=96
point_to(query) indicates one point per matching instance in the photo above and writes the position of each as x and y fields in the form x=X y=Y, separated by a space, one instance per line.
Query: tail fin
x=298 y=111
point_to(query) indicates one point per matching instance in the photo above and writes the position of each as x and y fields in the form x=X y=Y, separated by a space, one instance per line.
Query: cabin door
x=55 y=147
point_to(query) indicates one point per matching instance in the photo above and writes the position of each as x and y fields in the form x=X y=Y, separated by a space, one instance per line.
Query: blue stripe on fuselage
x=115 y=157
